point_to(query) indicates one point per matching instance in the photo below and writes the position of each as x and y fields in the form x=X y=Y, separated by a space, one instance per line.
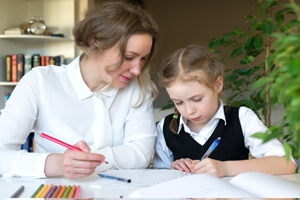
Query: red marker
x=63 y=143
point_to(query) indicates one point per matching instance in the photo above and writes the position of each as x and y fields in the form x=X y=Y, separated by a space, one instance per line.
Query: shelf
x=8 y=83
x=30 y=39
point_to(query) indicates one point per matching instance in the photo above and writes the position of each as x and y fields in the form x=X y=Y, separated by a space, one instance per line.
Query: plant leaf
x=267 y=27
x=258 y=42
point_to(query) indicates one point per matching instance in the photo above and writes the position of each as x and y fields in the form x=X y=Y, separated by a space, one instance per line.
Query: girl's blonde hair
x=193 y=63
x=113 y=23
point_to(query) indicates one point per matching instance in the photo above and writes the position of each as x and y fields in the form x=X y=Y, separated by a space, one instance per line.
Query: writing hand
x=209 y=166
x=182 y=164
x=73 y=164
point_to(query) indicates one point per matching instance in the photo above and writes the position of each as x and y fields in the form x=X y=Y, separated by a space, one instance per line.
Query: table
x=9 y=185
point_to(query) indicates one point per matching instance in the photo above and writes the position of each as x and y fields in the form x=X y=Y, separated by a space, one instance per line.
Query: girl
x=101 y=102
x=193 y=78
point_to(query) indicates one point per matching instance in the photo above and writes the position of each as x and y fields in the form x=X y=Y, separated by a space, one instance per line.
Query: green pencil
x=37 y=191
x=66 y=194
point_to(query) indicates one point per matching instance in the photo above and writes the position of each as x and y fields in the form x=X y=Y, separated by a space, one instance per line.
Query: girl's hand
x=209 y=166
x=182 y=164
x=73 y=164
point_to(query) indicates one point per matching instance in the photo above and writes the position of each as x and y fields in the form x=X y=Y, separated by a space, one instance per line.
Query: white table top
x=9 y=185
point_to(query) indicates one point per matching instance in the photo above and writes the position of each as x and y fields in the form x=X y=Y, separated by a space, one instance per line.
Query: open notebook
x=246 y=185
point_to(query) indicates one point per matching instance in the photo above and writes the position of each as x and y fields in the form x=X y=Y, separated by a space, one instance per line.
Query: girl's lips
x=195 y=119
x=125 y=78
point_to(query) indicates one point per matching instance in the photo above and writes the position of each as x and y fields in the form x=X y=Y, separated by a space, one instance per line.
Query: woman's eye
x=128 y=58
x=197 y=100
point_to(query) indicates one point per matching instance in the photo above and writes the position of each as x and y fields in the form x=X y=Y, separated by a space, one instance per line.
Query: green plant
x=253 y=45
x=284 y=82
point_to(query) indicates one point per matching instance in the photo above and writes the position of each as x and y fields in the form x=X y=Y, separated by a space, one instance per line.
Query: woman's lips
x=125 y=78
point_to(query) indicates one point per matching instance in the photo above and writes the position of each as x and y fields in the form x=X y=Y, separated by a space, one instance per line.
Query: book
x=27 y=63
x=20 y=66
x=36 y=60
x=43 y=61
x=245 y=185
x=8 y=68
x=14 y=68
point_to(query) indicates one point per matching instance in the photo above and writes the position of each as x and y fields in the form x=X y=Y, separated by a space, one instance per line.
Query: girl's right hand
x=73 y=164
x=182 y=164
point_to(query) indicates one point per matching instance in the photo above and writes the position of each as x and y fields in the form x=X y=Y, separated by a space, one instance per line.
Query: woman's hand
x=73 y=164
x=182 y=164
x=209 y=166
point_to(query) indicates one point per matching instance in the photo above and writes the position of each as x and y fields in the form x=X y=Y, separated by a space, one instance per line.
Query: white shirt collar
x=80 y=87
x=219 y=115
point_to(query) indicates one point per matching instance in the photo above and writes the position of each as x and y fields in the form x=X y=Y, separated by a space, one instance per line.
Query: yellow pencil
x=47 y=191
x=61 y=193
x=42 y=191
x=71 y=194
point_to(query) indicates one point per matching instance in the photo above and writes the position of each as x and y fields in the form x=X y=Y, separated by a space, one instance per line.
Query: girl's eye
x=197 y=100
x=177 y=103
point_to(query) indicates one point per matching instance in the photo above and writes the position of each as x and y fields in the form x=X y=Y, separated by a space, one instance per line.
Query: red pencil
x=60 y=142
x=63 y=143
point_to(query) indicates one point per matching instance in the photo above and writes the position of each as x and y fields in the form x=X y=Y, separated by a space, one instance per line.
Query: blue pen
x=212 y=147
x=114 y=178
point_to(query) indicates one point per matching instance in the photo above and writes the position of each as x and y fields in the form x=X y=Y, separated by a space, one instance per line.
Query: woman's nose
x=135 y=69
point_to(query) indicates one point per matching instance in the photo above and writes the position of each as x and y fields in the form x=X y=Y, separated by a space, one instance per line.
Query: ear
x=219 y=84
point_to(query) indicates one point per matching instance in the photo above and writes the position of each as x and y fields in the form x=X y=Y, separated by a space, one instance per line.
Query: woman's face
x=137 y=48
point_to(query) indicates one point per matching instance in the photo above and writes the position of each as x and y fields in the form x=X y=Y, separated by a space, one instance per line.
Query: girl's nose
x=190 y=109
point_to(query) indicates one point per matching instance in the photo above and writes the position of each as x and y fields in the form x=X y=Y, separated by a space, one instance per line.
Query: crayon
x=71 y=194
x=66 y=194
x=18 y=192
x=37 y=191
x=42 y=191
x=57 y=191
x=62 y=191
x=51 y=192
x=47 y=191
x=78 y=192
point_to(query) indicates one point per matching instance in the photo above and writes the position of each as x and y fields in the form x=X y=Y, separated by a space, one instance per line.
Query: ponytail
x=174 y=125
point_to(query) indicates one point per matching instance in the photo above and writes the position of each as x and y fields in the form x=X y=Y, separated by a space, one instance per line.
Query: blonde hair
x=193 y=63
x=113 y=23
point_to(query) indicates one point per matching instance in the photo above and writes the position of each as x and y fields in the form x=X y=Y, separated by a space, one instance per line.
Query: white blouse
x=56 y=101
x=250 y=124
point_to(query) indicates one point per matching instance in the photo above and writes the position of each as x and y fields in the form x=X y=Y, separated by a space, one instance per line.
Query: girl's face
x=196 y=102
x=137 y=48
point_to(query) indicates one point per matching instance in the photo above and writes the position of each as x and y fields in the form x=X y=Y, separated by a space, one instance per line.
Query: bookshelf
x=59 y=17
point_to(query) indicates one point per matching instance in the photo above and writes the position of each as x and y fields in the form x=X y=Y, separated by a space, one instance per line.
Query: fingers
x=182 y=164
x=83 y=146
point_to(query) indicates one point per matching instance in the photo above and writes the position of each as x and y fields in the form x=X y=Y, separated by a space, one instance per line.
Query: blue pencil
x=115 y=178
x=18 y=192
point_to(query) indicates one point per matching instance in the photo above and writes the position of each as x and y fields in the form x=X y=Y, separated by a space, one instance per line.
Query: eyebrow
x=137 y=53
x=188 y=98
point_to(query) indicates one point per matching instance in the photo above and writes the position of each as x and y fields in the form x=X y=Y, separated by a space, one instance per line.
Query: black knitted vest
x=231 y=147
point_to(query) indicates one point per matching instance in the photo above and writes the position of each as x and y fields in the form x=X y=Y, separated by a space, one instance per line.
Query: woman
x=101 y=101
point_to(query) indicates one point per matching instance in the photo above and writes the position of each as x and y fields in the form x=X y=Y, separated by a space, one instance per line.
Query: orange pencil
x=71 y=194
x=42 y=191
x=62 y=191
x=57 y=191
x=47 y=191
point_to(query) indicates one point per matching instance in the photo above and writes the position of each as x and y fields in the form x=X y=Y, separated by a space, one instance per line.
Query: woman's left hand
x=209 y=166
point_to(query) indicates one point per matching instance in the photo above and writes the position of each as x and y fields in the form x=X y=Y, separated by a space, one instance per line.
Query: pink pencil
x=77 y=192
x=63 y=143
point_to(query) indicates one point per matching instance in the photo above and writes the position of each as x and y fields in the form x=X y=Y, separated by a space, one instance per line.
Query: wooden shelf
x=8 y=83
x=30 y=39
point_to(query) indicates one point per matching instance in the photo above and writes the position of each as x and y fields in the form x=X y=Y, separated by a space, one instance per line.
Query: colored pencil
x=18 y=192
x=64 y=144
x=66 y=194
x=47 y=191
x=71 y=194
x=37 y=191
x=42 y=191
x=51 y=192
x=57 y=191
x=78 y=192
x=62 y=191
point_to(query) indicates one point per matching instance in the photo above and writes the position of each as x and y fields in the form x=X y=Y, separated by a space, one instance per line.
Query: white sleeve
x=163 y=156
x=251 y=124
x=136 y=149
x=16 y=122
